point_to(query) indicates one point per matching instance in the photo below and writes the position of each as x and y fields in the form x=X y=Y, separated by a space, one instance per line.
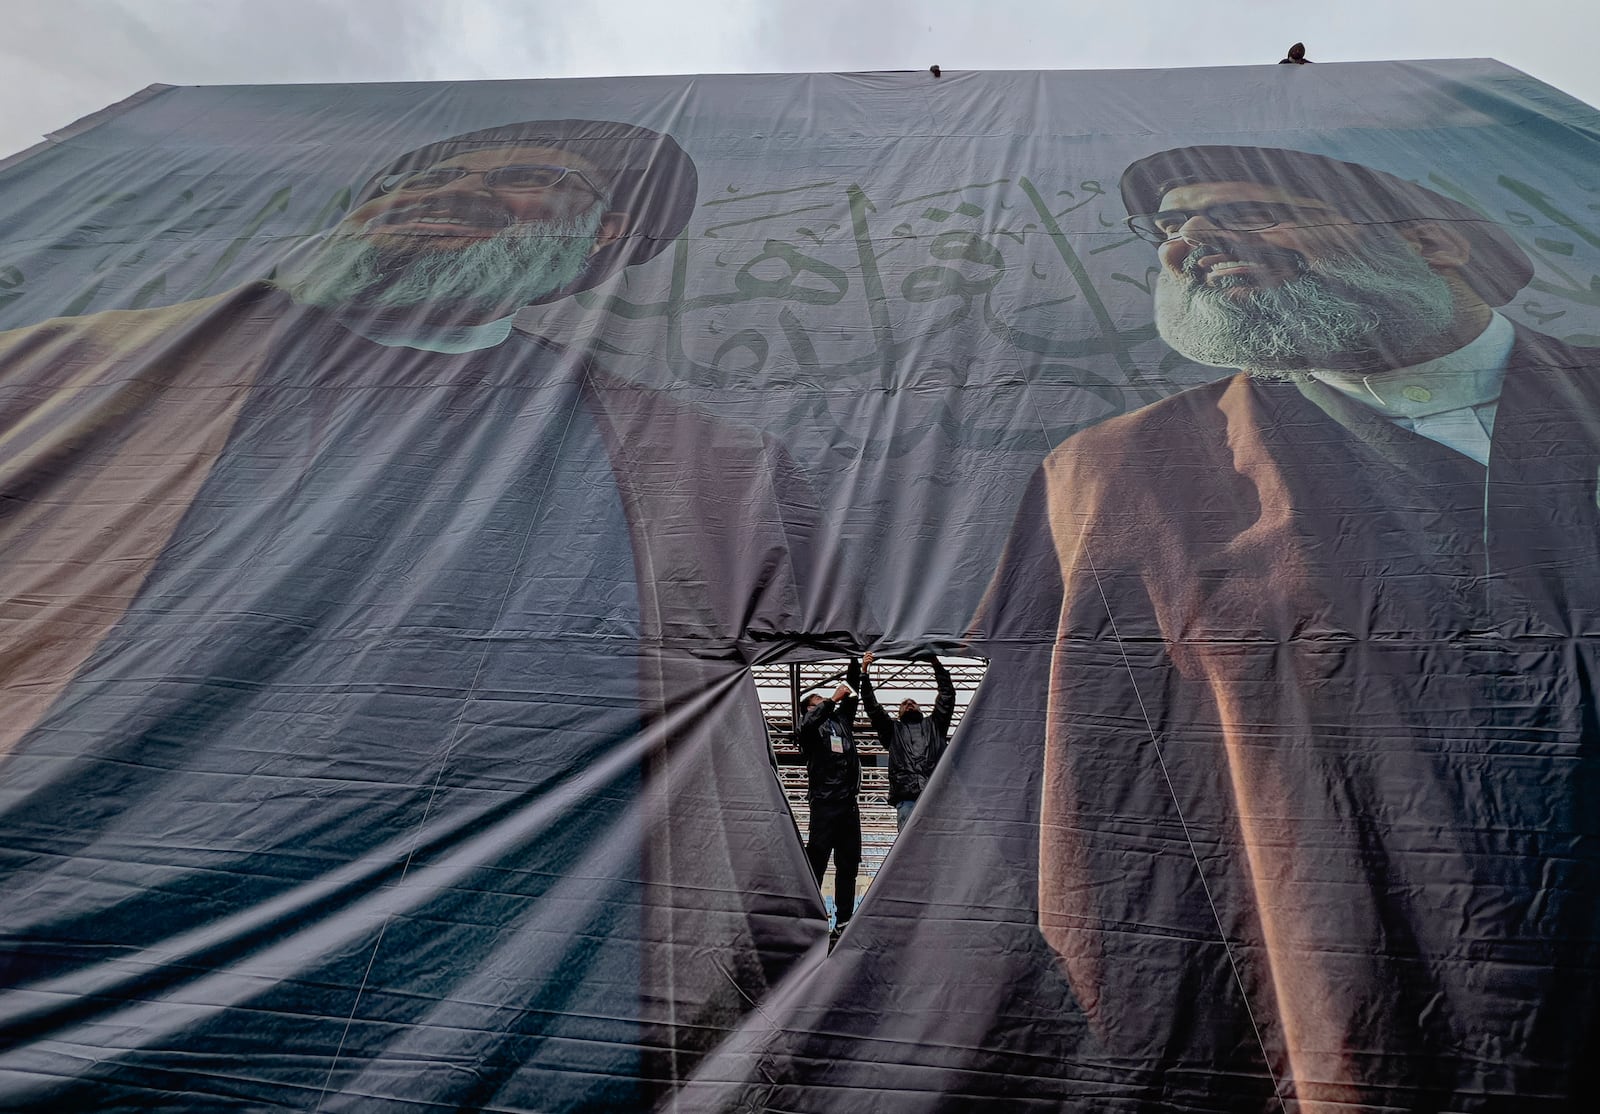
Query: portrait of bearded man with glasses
x=469 y=236
x=1320 y=729
x=429 y=634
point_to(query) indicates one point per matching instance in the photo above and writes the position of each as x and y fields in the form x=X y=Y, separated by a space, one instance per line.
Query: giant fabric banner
x=401 y=482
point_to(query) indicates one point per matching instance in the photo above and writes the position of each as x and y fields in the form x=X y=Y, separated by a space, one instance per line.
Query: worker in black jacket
x=833 y=782
x=915 y=742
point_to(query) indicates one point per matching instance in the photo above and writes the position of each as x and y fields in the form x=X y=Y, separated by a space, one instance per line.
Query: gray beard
x=497 y=276
x=1378 y=305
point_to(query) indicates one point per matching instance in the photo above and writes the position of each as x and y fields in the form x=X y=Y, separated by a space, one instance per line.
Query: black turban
x=1496 y=268
x=646 y=174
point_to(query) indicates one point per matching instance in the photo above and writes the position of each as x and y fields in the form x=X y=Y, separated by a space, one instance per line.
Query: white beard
x=514 y=268
x=1379 y=304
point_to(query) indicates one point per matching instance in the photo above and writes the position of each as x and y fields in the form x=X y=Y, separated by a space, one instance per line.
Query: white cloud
x=72 y=57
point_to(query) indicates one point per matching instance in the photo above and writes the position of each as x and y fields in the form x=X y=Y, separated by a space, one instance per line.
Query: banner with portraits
x=400 y=483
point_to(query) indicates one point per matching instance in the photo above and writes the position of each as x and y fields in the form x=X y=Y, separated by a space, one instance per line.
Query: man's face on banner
x=1255 y=277
x=477 y=235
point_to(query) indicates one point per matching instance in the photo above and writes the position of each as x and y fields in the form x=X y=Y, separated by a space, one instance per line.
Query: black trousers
x=836 y=831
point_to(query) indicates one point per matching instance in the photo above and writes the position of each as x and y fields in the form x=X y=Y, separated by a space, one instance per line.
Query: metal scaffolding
x=782 y=688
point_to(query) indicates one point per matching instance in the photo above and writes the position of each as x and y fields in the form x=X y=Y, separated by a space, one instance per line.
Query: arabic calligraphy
x=827 y=288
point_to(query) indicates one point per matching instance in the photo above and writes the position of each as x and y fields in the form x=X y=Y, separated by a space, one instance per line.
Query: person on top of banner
x=915 y=742
x=1322 y=739
x=361 y=636
x=826 y=737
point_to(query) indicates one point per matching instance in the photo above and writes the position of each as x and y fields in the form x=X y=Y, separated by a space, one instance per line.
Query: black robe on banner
x=1281 y=788
x=424 y=769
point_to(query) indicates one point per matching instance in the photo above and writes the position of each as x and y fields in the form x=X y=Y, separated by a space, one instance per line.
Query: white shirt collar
x=1470 y=376
x=447 y=339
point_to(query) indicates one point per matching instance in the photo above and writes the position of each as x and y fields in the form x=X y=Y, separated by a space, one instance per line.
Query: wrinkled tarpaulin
x=379 y=724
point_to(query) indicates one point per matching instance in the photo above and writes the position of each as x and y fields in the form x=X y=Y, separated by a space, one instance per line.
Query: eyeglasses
x=525 y=177
x=1233 y=216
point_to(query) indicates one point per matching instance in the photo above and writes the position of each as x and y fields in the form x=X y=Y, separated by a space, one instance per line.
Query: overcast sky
x=66 y=58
